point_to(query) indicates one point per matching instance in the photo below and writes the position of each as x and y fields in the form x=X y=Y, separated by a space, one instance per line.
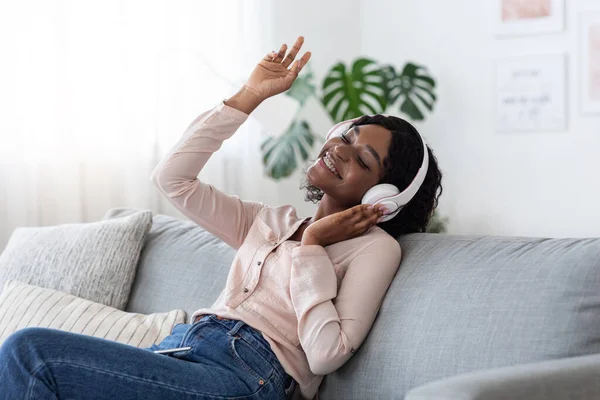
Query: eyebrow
x=371 y=150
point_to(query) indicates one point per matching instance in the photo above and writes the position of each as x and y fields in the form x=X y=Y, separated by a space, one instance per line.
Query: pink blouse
x=314 y=305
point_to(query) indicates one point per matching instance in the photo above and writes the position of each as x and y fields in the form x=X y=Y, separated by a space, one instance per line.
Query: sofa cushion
x=457 y=304
x=181 y=266
x=466 y=303
x=23 y=305
x=95 y=261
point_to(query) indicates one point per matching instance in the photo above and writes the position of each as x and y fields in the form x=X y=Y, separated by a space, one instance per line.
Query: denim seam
x=229 y=330
x=287 y=391
x=186 y=333
x=275 y=367
x=242 y=363
x=33 y=373
x=170 y=387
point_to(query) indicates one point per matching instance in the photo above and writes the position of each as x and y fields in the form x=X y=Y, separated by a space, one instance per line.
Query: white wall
x=533 y=184
x=332 y=33
x=329 y=38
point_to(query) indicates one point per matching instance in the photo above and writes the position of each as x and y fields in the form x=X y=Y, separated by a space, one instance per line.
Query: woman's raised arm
x=176 y=176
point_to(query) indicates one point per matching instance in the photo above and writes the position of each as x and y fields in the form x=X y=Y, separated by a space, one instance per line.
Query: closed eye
x=360 y=161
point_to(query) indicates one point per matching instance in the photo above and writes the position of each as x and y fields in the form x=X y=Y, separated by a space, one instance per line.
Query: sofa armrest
x=568 y=378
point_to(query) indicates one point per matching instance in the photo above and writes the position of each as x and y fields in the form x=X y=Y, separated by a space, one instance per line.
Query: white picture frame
x=531 y=94
x=528 y=17
x=590 y=62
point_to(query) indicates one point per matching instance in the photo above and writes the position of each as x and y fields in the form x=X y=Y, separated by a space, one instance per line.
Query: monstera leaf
x=303 y=88
x=413 y=86
x=364 y=88
x=355 y=92
x=279 y=154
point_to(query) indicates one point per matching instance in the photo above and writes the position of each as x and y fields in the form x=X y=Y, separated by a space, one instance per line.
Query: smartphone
x=172 y=350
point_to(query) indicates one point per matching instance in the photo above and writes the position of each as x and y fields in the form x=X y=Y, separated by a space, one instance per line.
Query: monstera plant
x=364 y=87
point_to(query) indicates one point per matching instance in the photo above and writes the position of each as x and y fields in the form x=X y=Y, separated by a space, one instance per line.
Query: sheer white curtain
x=94 y=93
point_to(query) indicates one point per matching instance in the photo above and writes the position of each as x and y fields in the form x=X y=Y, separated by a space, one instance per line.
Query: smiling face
x=350 y=164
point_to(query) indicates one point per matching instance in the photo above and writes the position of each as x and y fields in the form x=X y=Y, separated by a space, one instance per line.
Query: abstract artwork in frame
x=531 y=94
x=528 y=17
x=590 y=63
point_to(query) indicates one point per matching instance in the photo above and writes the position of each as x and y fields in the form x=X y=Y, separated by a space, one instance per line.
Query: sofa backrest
x=181 y=266
x=457 y=304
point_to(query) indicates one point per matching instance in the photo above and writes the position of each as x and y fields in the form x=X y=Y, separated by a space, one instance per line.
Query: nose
x=342 y=151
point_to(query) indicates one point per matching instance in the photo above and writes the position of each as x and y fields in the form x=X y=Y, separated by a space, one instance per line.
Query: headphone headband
x=407 y=194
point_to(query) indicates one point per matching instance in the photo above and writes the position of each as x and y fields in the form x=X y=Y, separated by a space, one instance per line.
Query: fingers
x=369 y=208
x=367 y=221
x=361 y=209
x=378 y=212
x=270 y=56
x=355 y=212
x=275 y=56
x=286 y=61
x=297 y=67
x=304 y=59
x=363 y=216
x=366 y=213
x=280 y=54
x=292 y=54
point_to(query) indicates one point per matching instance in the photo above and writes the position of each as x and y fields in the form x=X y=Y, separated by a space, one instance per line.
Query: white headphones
x=385 y=193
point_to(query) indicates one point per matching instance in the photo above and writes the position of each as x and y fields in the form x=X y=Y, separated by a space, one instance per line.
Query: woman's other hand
x=273 y=74
x=342 y=225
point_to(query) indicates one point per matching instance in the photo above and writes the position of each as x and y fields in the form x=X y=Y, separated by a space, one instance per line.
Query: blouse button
x=259 y=263
x=245 y=290
x=352 y=350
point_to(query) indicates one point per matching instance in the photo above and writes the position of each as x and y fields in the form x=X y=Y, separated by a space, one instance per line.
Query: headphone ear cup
x=378 y=192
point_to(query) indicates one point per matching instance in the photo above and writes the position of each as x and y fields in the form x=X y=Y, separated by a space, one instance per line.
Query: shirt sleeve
x=223 y=215
x=331 y=324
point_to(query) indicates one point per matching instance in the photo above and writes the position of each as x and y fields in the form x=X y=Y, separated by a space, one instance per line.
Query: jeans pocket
x=249 y=359
x=173 y=340
x=290 y=389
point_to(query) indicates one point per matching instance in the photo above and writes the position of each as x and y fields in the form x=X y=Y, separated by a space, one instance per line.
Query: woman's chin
x=312 y=181
x=312 y=175
x=316 y=179
x=319 y=177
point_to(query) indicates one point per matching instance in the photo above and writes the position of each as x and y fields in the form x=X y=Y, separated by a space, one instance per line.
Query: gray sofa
x=467 y=317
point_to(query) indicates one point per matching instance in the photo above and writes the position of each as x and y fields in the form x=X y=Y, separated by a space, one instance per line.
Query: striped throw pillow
x=23 y=305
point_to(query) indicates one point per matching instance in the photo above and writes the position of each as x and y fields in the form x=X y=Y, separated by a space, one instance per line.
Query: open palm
x=273 y=74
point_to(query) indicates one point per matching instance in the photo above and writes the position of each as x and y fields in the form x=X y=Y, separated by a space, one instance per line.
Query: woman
x=301 y=295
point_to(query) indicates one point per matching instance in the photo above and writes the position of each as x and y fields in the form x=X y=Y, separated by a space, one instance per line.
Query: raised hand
x=273 y=74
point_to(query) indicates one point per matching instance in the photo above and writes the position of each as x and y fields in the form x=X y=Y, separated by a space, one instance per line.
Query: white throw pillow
x=96 y=261
x=23 y=305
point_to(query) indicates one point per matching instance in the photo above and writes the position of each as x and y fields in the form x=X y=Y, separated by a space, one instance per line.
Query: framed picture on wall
x=528 y=17
x=530 y=94
x=590 y=62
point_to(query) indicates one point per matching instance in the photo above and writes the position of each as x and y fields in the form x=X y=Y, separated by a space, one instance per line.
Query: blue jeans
x=228 y=360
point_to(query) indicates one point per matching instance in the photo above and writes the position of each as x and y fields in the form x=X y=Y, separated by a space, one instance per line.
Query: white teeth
x=329 y=163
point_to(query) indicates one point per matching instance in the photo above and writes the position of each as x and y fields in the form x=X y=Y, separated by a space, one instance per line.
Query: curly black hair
x=404 y=158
